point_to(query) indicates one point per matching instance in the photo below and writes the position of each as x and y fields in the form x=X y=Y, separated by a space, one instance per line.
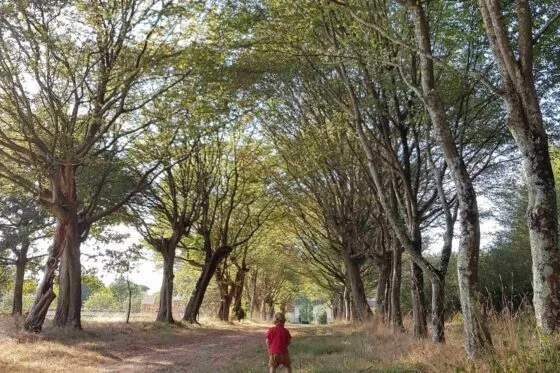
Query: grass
x=240 y=348
x=374 y=348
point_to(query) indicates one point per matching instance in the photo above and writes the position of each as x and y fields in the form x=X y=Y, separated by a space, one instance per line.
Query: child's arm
x=267 y=341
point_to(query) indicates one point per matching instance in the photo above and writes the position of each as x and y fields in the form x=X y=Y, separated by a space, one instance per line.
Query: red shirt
x=278 y=339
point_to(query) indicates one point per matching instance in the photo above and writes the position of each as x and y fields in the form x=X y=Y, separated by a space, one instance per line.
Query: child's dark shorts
x=276 y=360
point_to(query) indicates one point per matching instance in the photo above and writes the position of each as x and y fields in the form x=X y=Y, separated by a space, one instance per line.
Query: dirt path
x=134 y=347
x=193 y=350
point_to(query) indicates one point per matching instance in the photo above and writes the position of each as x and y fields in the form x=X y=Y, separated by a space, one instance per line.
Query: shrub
x=322 y=319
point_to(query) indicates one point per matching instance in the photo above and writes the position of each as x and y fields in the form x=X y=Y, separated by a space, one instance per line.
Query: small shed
x=150 y=304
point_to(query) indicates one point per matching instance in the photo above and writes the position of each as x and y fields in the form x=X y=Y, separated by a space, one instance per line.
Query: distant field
x=111 y=316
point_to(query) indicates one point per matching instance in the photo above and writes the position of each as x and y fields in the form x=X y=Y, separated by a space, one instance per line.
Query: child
x=277 y=340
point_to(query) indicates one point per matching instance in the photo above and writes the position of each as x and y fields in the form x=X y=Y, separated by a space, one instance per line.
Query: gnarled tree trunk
x=45 y=294
x=68 y=309
x=237 y=292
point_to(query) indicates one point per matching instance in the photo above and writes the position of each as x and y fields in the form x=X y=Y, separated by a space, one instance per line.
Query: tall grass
x=375 y=348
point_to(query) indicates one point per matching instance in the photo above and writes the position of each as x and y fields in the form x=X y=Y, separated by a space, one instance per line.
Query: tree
x=514 y=54
x=122 y=263
x=73 y=100
x=173 y=204
x=234 y=206
x=22 y=224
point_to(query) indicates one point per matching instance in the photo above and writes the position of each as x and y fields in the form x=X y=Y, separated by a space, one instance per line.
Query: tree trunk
x=68 y=309
x=347 y=301
x=129 y=299
x=45 y=294
x=270 y=305
x=238 y=286
x=396 y=314
x=543 y=234
x=17 y=306
x=417 y=288
x=418 y=309
x=362 y=310
x=263 y=310
x=382 y=287
x=66 y=251
x=526 y=125
x=225 y=295
x=438 y=326
x=195 y=301
x=225 y=305
x=477 y=337
x=254 y=301
x=165 y=311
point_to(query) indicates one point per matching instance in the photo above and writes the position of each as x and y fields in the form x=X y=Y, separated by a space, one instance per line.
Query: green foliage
x=102 y=300
x=6 y=301
x=306 y=314
x=90 y=284
x=6 y=279
x=119 y=289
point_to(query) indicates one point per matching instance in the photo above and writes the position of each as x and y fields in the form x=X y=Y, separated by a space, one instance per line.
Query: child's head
x=279 y=318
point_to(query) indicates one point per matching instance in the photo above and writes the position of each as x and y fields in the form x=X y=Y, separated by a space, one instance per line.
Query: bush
x=322 y=318
x=102 y=300
x=239 y=313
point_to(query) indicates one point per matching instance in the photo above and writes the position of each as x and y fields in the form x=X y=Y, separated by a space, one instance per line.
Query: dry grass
x=375 y=348
x=148 y=346
x=119 y=347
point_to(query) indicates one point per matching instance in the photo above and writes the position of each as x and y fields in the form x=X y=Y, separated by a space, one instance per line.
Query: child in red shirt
x=277 y=340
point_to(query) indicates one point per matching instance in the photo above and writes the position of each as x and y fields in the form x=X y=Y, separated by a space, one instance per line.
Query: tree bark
x=270 y=305
x=238 y=285
x=383 y=287
x=396 y=272
x=21 y=262
x=263 y=310
x=129 y=299
x=165 y=311
x=254 y=301
x=417 y=288
x=68 y=309
x=225 y=305
x=195 y=301
x=438 y=325
x=45 y=294
x=363 y=312
x=225 y=288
